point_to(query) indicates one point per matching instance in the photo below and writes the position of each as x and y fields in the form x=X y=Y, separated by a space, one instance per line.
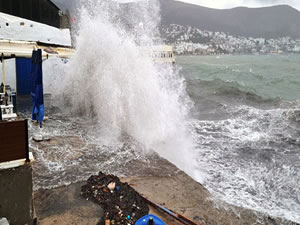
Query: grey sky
x=221 y=4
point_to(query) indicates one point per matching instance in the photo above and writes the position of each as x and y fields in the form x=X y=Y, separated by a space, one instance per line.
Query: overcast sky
x=220 y=4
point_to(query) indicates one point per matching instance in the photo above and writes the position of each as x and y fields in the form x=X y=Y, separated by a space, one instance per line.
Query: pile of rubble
x=120 y=202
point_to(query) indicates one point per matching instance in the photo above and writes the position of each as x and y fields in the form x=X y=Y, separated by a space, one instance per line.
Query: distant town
x=193 y=41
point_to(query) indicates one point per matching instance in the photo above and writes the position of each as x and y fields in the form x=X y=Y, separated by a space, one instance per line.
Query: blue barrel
x=144 y=220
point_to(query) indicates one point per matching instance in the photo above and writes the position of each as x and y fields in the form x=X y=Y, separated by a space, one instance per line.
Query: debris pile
x=120 y=202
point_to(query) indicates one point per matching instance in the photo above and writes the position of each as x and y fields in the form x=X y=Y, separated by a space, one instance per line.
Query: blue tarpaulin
x=37 y=86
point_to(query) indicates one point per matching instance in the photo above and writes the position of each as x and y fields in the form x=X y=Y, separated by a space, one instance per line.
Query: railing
x=14 y=141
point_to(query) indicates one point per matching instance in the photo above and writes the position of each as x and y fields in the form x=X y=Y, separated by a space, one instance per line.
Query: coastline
x=178 y=192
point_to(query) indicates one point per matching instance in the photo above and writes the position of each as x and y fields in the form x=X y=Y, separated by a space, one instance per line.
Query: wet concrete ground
x=16 y=194
x=65 y=206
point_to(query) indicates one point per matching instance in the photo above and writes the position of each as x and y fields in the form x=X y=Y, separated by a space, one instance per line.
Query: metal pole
x=3 y=73
x=176 y=216
x=26 y=141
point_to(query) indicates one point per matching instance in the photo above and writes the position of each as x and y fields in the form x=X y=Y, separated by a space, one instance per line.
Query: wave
x=233 y=89
x=213 y=97
x=265 y=77
x=252 y=159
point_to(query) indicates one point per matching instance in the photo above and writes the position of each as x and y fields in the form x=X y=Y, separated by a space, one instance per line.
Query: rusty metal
x=175 y=215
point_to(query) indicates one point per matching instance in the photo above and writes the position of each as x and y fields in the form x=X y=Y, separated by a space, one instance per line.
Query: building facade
x=43 y=11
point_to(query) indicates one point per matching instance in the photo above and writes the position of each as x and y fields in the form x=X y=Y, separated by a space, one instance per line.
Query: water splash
x=110 y=79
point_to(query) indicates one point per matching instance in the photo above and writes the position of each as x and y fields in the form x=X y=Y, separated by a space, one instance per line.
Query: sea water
x=232 y=122
x=247 y=122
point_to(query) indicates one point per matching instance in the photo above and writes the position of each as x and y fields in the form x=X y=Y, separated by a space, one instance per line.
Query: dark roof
x=52 y=3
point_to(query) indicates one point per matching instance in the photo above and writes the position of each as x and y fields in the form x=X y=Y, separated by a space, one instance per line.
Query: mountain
x=267 y=22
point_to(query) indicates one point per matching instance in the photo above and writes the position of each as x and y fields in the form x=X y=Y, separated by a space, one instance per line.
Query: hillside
x=267 y=22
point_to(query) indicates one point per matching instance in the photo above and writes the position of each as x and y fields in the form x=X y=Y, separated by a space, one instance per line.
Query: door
x=24 y=81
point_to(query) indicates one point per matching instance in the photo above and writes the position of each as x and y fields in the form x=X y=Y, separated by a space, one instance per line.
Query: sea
x=230 y=122
x=247 y=122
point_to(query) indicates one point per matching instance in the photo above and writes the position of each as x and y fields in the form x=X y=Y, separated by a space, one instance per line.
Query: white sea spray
x=112 y=80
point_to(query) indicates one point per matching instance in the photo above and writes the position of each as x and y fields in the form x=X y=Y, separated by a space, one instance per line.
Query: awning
x=24 y=49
